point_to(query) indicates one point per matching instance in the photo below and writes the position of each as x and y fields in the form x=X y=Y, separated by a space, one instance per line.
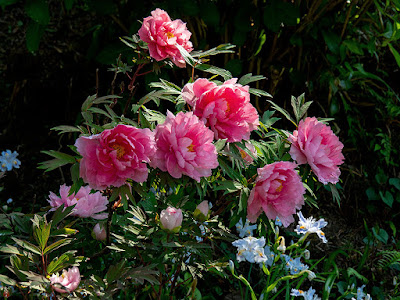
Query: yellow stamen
x=120 y=150
x=190 y=148
x=302 y=227
x=242 y=153
x=170 y=35
x=321 y=233
x=281 y=185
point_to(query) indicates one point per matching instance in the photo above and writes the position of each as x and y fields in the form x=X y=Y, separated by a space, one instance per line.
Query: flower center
x=228 y=107
x=242 y=153
x=190 y=148
x=120 y=150
x=279 y=188
x=170 y=35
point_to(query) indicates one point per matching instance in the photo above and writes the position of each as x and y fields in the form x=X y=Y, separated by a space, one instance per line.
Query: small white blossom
x=310 y=225
x=250 y=249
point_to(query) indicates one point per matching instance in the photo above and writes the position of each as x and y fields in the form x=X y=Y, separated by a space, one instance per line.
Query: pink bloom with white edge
x=87 y=204
x=99 y=232
x=69 y=280
x=225 y=108
x=315 y=143
x=115 y=155
x=278 y=193
x=184 y=147
x=171 y=218
x=162 y=35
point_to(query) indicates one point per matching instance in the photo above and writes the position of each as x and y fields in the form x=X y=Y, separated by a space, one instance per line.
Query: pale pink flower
x=184 y=147
x=87 y=204
x=69 y=280
x=162 y=35
x=315 y=143
x=171 y=218
x=99 y=232
x=117 y=154
x=278 y=192
x=202 y=211
x=225 y=108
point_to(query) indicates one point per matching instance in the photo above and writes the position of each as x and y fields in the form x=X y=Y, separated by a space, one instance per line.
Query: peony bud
x=99 y=232
x=202 y=211
x=171 y=219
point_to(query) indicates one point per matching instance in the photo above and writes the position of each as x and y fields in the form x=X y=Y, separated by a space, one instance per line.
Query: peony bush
x=205 y=188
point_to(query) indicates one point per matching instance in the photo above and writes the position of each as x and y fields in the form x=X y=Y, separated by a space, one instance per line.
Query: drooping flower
x=315 y=143
x=162 y=35
x=307 y=295
x=99 y=232
x=278 y=192
x=87 y=204
x=69 y=280
x=111 y=157
x=310 y=225
x=184 y=147
x=171 y=219
x=250 y=249
x=226 y=108
x=8 y=160
x=246 y=229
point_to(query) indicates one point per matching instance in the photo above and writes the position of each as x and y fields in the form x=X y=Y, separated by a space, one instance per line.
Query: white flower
x=308 y=295
x=310 y=225
x=250 y=249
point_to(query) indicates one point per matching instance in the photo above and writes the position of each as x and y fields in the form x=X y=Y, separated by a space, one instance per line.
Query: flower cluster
x=294 y=266
x=9 y=160
x=250 y=249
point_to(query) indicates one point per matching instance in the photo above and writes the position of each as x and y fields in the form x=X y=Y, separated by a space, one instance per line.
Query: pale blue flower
x=308 y=295
x=9 y=201
x=270 y=256
x=8 y=160
x=278 y=221
x=250 y=249
x=309 y=225
x=246 y=230
x=361 y=295
x=294 y=266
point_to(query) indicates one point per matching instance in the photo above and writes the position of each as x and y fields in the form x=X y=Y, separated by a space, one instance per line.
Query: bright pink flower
x=171 y=218
x=87 y=204
x=184 y=147
x=99 y=232
x=278 y=192
x=316 y=144
x=225 y=108
x=115 y=155
x=162 y=35
x=69 y=280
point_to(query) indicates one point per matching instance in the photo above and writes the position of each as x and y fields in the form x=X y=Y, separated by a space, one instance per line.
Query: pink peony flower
x=202 y=211
x=69 y=280
x=315 y=143
x=99 y=232
x=184 y=147
x=226 y=108
x=115 y=155
x=171 y=219
x=162 y=35
x=87 y=204
x=278 y=192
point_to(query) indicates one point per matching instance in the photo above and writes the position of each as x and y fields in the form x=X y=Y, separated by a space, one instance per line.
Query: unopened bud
x=99 y=232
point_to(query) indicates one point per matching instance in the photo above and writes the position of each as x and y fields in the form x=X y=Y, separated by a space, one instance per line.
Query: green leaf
x=354 y=47
x=214 y=70
x=60 y=263
x=38 y=10
x=267 y=119
x=282 y=111
x=28 y=246
x=229 y=186
x=34 y=33
x=115 y=272
x=69 y=4
x=61 y=159
x=223 y=48
x=278 y=12
x=66 y=128
x=61 y=213
x=387 y=198
x=259 y=93
x=395 y=182
x=41 y=231
x=186 y=56
x=153 y=115
x=332 y=40
x=247 y=78
x=57 y=245
x=395 y=54
x=220 y=144
x=7 y=280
